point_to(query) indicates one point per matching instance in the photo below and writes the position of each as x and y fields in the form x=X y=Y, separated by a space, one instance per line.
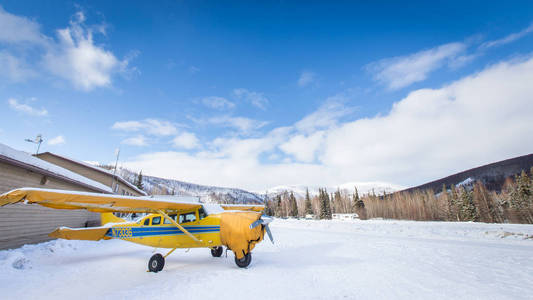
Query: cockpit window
x=147 y=221
x=201 y=213
x=188 y=217
x=156 y=220
x=167 y=221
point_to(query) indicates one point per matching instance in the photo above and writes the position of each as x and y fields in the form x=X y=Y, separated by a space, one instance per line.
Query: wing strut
x=179 y=226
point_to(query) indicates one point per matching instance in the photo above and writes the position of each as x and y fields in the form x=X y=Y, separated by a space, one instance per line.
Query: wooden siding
x=23 y=224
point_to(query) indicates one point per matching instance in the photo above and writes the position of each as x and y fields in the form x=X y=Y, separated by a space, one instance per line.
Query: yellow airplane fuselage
x=155 y=230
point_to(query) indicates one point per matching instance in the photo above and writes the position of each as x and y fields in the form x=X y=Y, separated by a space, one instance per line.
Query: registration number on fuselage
x=122 y=232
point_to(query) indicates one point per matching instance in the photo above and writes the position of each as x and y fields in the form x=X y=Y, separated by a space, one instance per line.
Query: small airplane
x=169 y=224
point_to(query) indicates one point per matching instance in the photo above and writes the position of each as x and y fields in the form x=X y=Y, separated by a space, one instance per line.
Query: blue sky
x=256 y=95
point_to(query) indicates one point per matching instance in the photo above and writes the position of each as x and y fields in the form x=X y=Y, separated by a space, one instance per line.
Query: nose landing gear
x=245 y=261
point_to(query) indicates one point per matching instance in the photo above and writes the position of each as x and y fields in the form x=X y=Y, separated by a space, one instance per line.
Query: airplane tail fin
x=110 y=218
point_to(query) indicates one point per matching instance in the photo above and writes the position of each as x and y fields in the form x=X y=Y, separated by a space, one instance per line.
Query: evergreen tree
x=308 y=205
x=327 y=200
x=139 y=182
x=454 y=203
x=269 y=210
x=337 y=202
x=521 y=198
x=293 y=205
x=323 y=212
x=357 y=202
x=468 y=210
x=278 y=206
x=358 y=205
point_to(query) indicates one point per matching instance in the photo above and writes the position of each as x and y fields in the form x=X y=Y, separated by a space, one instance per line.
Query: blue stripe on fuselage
x=163 y=230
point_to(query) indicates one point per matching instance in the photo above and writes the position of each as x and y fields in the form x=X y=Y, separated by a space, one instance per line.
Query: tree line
x=513 y=203
x=322 y=206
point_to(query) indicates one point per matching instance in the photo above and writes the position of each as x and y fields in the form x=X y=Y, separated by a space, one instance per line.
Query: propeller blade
x=264 y=221
x=256 y=223
x=269 y=233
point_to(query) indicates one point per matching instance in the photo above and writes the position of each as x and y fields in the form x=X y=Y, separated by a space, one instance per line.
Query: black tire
x=217 y=251
x=156 y=263
x=245 y=261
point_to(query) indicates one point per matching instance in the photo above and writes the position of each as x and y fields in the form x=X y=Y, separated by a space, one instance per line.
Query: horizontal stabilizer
x=84 y=234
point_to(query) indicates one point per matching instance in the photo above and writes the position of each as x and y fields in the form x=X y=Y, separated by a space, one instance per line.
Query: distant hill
x=212 y=194
x=492 y=175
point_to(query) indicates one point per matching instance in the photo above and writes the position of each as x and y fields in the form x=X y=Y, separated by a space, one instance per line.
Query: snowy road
x=311 y=259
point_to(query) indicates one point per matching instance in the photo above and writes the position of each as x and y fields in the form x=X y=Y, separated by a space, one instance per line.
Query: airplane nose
x=264 y=220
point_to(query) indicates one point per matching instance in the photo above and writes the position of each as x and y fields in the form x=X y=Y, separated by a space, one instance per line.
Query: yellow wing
x=249 y=207
x=61 y=199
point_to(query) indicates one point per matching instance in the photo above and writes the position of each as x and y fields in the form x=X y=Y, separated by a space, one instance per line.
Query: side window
x=166 y=221
x=188 y=217
x=156 y=220
x=201 y=213
x=147 y=221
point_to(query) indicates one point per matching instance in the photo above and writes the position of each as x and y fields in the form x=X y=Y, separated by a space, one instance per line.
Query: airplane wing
x=101 y=203
x=246 y=207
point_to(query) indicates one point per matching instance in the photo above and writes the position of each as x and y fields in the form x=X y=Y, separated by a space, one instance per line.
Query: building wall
x=22 y=224
x=89 y=173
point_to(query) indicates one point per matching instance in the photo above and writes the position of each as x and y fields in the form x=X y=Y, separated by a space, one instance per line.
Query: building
x=118 y=184
x=345 y=216
x=22 y=224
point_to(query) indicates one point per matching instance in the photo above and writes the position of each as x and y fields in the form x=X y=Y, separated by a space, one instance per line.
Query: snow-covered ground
x=376 y=259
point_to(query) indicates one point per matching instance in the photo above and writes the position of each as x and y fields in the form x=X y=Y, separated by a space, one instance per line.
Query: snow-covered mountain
x=162 y=186
x=211 y=194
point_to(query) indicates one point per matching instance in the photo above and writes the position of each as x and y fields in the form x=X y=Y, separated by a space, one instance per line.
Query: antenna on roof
x=38 y=140
x=115 y=188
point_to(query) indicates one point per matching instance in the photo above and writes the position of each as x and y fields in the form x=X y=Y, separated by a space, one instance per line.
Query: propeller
x=264 y=220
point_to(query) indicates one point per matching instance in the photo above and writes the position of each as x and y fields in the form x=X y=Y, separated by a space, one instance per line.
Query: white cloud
x=306 y=78
x=25 y=108
x=399 y=72
x=508 y=39
x=138 y=140
x=429 y=134
x=58 y=140
x=128 y=125
x=327 y=115
x=186 y=140
x=149 y=126
x=255 y=98
x=73 y=55
x=217 y=103
x=242 y=124
x=78 y=59
x=13 y=68
x=304 y=148
x=17 y=30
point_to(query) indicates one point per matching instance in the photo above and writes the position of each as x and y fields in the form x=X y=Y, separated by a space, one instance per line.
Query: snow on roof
x=27 y=159
x=122 y=180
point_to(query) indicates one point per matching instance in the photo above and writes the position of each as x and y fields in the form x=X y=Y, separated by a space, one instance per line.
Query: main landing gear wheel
x=156 y=263
x=217 y=251
x=245 y=261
